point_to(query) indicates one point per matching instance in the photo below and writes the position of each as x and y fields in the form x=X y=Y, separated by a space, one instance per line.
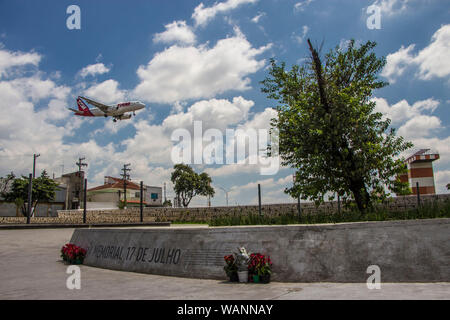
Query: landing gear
x=114 y=120
x=134 y=113
x=105 y=115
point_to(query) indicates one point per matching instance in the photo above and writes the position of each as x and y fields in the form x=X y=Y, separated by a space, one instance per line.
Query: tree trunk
x=360 y=194
x=24 y=209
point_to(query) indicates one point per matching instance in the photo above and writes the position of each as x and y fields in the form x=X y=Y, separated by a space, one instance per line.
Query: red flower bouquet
x=231 y=267
x=73 y=254
x=260 y=265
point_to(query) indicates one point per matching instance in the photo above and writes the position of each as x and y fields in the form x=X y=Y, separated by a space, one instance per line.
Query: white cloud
x=402 y=111
x=28 y=126
x=150 y=144
x=106 y=92
x=442 y=178
x=411 y=120
x=392 y=7
x=440 y=145
x=397 y=62
x=93 y=69
x=299 y=38
x=9 y=60
x=260 y=120
x=176 y=31
x=25 y=130
x=300 y=6
x=419 y=126
x=57 y=110
x=256 y=18
x=36 y=88
x=272 y=191
x=180 y=73
x=432 y=61
x=202 y=15
x=214 y=113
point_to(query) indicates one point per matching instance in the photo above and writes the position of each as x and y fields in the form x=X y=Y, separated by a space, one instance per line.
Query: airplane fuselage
x=119 y=111
x=114 y=110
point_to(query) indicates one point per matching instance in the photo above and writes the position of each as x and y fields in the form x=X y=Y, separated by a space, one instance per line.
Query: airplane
x=117 y=111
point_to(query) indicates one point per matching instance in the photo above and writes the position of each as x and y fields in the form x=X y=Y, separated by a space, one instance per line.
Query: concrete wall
x=405 y=251
x=42 y=210
x=101 y=205
x=8 y=210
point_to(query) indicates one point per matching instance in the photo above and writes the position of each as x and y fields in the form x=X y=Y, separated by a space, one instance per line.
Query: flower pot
x=75 y=261
x=243 y=276
x=265 y=278
x=234 y=277
x=255 y=278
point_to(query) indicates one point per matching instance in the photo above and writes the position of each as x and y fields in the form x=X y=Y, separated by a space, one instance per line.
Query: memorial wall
x=405 y=251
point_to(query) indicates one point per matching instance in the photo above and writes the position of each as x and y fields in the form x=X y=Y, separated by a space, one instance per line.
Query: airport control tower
x=420 y=169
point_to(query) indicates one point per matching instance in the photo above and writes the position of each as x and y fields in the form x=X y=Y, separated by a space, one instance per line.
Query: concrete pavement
x=32 y=269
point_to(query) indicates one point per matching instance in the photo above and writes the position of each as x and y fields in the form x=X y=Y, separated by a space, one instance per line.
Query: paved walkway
x=32 y=269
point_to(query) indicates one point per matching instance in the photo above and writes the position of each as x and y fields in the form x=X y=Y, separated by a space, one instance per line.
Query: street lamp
x=226 y=193
x=34 y=163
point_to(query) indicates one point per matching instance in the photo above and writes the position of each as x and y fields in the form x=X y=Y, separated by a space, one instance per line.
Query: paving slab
x=32 y=269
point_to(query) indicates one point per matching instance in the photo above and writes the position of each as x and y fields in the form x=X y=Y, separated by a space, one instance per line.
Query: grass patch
x=188 y=222
x=425 y=211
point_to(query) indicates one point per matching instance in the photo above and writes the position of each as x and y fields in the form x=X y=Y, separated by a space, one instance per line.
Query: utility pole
x=80 y=165
x=165 y=198
x=34 y=164
x=259 y=200
x=125 y=177
x=141 y=201
x=30 y=198
x=84 y=200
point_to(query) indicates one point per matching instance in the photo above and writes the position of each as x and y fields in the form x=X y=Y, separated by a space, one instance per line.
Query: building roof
x=423 y=155
x=118 y=184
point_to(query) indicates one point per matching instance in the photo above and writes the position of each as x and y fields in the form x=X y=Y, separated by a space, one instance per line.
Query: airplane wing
x=99 y=105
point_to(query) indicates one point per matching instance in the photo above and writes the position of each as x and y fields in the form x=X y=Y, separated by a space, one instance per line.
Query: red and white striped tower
x=420 y=169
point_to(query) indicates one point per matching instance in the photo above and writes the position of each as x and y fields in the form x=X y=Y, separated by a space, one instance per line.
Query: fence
x=205 y=214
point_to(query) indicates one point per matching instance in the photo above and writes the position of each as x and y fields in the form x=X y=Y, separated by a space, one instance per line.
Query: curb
x=81 y=225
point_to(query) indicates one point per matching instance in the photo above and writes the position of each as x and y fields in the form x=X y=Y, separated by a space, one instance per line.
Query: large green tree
x=188 y=183
x=328 y=130
x=43 y=191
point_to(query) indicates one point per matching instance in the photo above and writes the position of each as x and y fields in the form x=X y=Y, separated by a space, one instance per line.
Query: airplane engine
x=125 y=116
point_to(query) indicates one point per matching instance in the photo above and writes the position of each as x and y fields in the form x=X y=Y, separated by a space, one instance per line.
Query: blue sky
x=199 y=60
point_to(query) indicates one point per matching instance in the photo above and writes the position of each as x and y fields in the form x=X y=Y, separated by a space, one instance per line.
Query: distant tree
x=188 y=184
x=5 y=183
x=167 y=203
x=43 y=191
x=328 y=130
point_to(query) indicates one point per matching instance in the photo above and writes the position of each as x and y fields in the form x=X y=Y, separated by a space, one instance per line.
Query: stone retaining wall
x=163 y=214
x=405 y=251
x=206 y=213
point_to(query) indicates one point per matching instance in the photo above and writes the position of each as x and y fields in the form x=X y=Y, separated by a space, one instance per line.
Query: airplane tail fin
x=83 y=107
